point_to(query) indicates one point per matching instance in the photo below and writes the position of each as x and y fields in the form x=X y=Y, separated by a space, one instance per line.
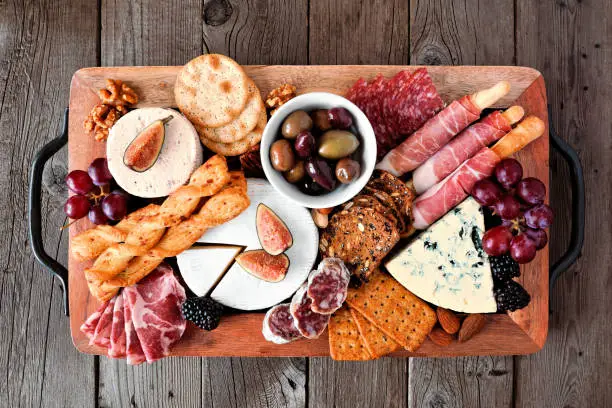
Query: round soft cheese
x=180 y=155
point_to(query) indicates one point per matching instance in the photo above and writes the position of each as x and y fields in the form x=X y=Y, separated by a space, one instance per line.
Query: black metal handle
x=578 y=205
x=34 y=209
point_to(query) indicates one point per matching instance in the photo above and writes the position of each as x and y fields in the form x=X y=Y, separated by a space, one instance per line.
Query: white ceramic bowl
x=366 y=151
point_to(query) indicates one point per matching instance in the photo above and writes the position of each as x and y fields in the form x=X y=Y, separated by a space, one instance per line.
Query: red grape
x=96 y=215
x=340 y=118
x=79 y=182
x=114 y=206
x=496 y=241
x=531 y=190
x=522 y=249
x=508 y=172
x=76 y=206
x=99 y=172
x=486 y=192
x=539 y=217
x=538 y=236
x=508 y=207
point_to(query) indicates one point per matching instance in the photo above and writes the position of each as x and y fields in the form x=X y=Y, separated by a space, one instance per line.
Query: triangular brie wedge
x=445 y=265
x=202 y=265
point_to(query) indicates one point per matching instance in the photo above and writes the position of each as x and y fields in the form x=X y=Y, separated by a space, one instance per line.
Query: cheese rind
x=446 y=265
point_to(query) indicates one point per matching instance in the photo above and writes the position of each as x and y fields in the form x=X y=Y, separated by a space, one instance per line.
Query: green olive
x=336 y=144
x=281 y=155
x=296 y=173
x=296 y=123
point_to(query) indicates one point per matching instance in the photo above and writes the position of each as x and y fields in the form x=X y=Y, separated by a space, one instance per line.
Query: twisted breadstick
x=220 y=208
x=141 y=233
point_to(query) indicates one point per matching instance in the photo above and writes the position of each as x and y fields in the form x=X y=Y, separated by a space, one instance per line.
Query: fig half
x=262 y=265
x=274 y=236
x=142 y=152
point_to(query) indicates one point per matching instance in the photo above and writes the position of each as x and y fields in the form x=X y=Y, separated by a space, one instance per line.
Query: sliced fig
x=262 y=265
x=274 y=236
x=142 y=152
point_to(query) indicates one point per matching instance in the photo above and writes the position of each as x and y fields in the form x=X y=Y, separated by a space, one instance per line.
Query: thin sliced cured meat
x=279 y=326
x=117 y=347
x=155 y=307
x=430 y=138
x=328 y=286
x=134 y=352
x=89 y=326
x=102 y=334
x=459 y=149
x=309 y=323
x=451 y=191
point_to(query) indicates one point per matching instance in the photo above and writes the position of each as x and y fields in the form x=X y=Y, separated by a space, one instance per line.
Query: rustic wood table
x=42 y=43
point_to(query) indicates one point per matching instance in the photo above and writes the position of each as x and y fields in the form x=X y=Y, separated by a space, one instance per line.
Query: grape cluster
x=520 y=204
x=93 y=196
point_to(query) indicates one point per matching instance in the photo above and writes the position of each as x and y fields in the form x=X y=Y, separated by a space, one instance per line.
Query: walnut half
x=118 y=93
x=101 y=118
x=279 y=96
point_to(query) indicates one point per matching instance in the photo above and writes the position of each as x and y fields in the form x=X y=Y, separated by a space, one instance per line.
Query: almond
x=471 y=326
x=448 y=320
x=440 y=337
x=321 y=220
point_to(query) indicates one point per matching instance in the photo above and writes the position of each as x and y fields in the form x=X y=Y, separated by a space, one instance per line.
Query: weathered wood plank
x=461 y=33
x=35 y=71
x=257 y=31
x=348 y=32
x=378 y=383
x=150 y=33
x=569 y=41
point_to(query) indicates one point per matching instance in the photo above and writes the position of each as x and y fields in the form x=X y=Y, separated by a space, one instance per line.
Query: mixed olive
x=317 y=150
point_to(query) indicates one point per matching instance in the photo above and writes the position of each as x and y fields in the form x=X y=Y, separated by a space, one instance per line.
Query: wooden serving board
x=521 y=332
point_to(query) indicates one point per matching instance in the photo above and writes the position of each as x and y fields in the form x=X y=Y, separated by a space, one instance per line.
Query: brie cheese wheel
x=180 y=155
x=446 y=265
x=237 y=288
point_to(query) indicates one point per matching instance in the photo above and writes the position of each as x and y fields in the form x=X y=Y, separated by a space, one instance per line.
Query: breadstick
x=524 y=133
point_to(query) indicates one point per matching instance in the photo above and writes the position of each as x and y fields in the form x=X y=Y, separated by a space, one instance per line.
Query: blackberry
x=511 y=296
x=504 y=268
x=204 y=312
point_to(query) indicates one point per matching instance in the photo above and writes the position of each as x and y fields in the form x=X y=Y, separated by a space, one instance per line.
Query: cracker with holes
x=345 y=342
x=361 y=237
x=393 y=309
x=377 y=342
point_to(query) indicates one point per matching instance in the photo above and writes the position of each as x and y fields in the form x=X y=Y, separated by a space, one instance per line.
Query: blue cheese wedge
x=446 y=264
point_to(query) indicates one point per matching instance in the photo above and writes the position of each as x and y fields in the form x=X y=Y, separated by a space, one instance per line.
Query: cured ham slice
x=464 y=146
x=117 y=337
x=89 y=327
x=154 y=304
x=102 y=334
x=439 y=130
x=134 y=352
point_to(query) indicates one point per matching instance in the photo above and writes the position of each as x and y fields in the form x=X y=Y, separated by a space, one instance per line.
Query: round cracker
x=240 y=127
x=211 y=90
x=239 y=147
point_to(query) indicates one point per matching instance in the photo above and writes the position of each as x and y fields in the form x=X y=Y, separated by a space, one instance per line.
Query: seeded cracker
x=378 y=343
x=393 y=309
x=345 y=342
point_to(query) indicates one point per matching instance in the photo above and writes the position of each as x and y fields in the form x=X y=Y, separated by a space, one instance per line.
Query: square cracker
x=393 y=309
x=345 y=343
x=378 y=343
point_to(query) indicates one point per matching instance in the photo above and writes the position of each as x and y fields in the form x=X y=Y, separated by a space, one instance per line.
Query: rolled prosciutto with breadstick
x=465 y=145
x=440 y=129
x=442 y=197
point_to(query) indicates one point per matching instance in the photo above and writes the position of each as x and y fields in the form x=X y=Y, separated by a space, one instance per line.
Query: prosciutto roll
x=459 y=149
x=455 y=188
x=434 y=134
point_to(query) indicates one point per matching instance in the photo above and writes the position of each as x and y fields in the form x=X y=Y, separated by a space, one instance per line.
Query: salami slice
x=328 y=285
x=279 y=326
x=310 y=324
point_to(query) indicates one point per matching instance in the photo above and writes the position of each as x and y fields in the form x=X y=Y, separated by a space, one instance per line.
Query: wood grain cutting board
x=521 y=332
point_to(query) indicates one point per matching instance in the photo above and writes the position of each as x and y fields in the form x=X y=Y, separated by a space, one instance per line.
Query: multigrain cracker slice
x=386 y=200
x=211 y=90
x=401 y=194
x=368 y=201
x=378 y=343
x=393 y=309
x=345 y=342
